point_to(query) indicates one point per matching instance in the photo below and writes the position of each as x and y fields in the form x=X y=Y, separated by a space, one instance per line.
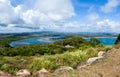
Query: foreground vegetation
x=50 y=56
x=50 y=62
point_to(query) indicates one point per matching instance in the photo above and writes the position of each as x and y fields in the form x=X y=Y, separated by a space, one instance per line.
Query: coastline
x=105 y=37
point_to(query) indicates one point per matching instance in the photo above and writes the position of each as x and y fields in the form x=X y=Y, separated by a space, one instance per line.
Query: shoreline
x=105 y=37
x=100 y=37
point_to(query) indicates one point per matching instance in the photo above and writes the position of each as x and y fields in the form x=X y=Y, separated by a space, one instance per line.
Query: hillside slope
x=109 y=66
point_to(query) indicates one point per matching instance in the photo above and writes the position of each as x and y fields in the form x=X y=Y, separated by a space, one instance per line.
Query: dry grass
x=107 y=67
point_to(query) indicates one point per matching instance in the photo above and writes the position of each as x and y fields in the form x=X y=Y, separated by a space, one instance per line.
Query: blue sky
x=59 y=15
x=82 y=8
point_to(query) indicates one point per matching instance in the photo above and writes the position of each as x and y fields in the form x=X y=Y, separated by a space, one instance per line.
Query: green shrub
x=107 y=48
x=42 y=62
x=9 y=68
x=91 y=52
x=13 y=64
x=73 y=41
x=117 y=46
x=94 y=41
x=85 y=46
x=118 y=39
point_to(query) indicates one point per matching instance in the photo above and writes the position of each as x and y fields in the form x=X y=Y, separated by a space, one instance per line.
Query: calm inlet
x=51 y=39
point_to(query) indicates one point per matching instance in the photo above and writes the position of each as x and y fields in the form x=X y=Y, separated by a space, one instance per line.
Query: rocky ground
x=109 y=66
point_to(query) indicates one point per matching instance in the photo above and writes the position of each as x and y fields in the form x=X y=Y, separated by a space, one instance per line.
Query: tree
x=95 y=41
x=118 y=39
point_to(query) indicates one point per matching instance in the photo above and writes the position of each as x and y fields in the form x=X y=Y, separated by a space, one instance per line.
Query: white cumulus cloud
x=105 y=25
x=110 y=6
x=92 y=17
x=7 y=14
x=35 y=13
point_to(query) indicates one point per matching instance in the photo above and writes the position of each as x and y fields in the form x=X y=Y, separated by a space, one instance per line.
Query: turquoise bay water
x=36 y=40
x=51 y=39
x=106 y=40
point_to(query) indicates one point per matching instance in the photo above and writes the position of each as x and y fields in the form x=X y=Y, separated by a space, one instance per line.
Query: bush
x=94 y=41
x=106 y=49
x=118 y=39
x=91 y=52
x=85 y=46
x=9 y=68
x=117 y=46
x=42 y=62
x=74 y=41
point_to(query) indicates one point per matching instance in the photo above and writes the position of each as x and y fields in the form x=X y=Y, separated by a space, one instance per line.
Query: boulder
x=63 y=68
x=91 y=60
x=4 y=74
x=68 y=46
x=43 y=73
x=100 y=54
x=23 y=73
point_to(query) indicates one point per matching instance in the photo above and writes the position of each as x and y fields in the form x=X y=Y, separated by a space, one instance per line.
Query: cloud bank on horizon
x=59 y=15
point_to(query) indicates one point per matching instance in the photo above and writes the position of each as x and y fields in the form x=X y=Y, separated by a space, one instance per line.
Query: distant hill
x=87 y=34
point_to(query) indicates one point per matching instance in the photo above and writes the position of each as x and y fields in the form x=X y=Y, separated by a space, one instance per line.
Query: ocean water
x=106 y=40
x=36 y=40
x=51 y=39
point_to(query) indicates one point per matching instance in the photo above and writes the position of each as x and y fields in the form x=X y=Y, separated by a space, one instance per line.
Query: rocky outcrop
x=91 y=60
x=23 y=73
